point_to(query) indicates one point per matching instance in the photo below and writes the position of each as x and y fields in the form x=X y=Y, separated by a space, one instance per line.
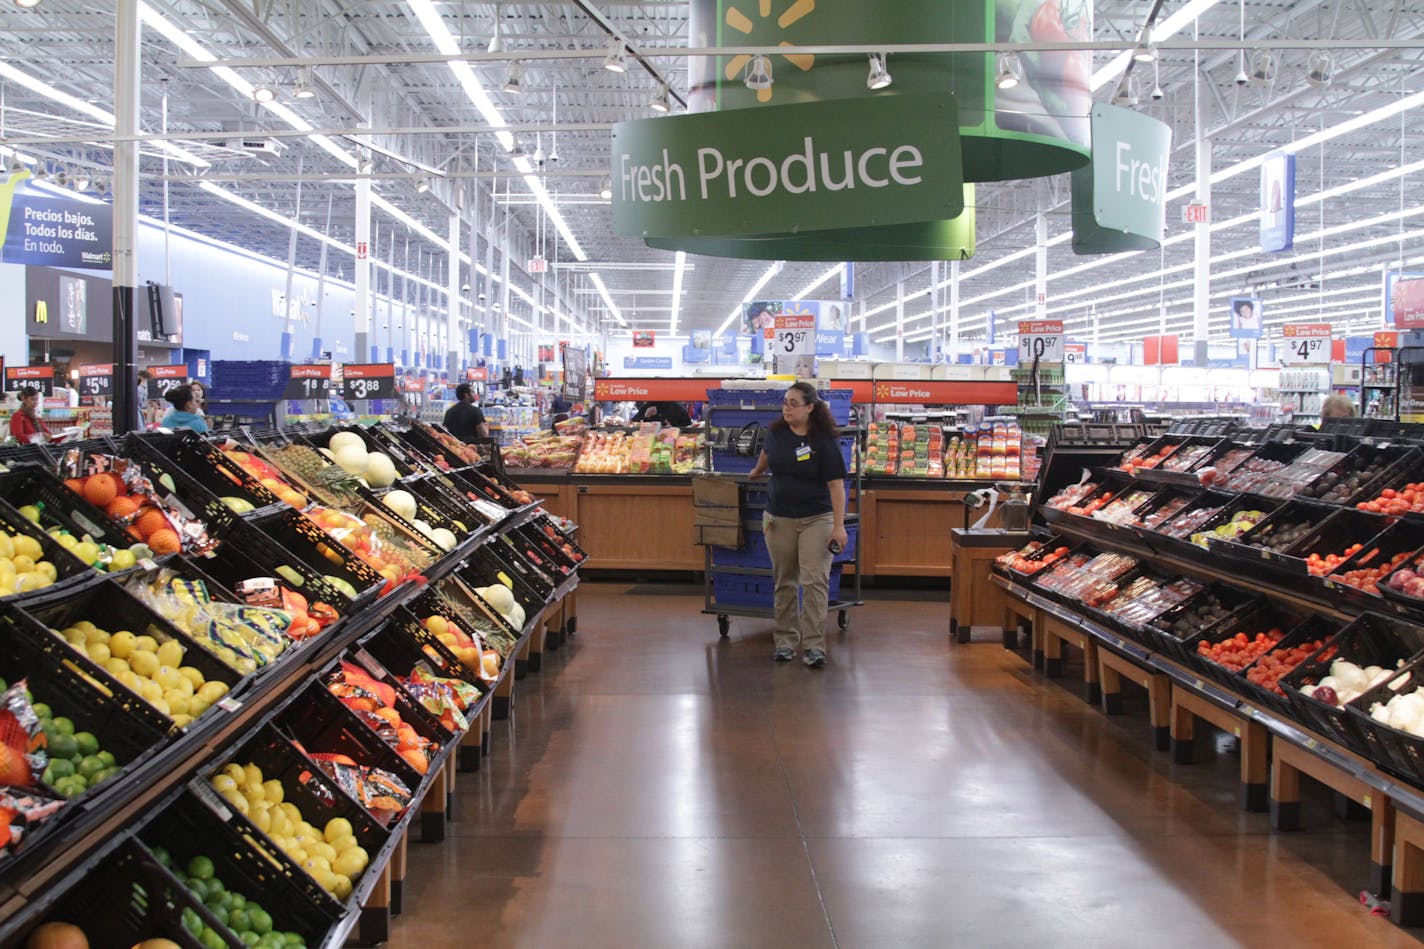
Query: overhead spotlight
x=515 y=81
x=617 y=60
x=518 y=150
x=759 y=73
x=61 y=178
x=366 y=167
x=303 y=88
x=264 y=93
x=27 y=4
x=605 y=190
x=1157 y=92
x=81 y=182
x=101 y=186
x=1145 y=53
x=422 y=186
x=1010 y=71
x=1263 y=67
x=496 y=43
x=659 y=102
x=40 y=173
x=879 y=77
x=1320 y=68
x=538 y=157
x=1127 y=94
x=554 y=152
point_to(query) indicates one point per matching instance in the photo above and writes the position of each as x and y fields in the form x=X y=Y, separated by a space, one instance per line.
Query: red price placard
x=308 y=382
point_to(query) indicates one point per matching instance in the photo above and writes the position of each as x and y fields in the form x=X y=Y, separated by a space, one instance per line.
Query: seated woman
x=184 y=413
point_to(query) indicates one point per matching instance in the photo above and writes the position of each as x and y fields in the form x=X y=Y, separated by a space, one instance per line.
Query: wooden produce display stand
x=974 y=602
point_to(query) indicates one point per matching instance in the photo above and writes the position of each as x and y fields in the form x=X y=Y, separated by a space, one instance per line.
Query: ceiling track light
x=422 y=186
x=1263 y=67
x=617 y=60
x=660 y=101
x=758 y=76
x=264 y=93
x=879 y=76
x=1009 y=71
x=1145 y=53
x=1320 y=69
x=514 y=82
x=303 y=88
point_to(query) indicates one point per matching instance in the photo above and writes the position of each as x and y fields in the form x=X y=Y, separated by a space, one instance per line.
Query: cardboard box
x=728 y=535
x=717 y=516
x=711 y=491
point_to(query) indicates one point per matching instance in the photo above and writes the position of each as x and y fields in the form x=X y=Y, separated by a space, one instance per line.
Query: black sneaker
x=784 y=654
x=815 y=658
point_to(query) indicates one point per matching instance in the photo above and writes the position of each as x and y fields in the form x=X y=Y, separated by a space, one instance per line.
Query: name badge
x=803 y=452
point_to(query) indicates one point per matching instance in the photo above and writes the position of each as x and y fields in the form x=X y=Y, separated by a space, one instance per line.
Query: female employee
x=184 y=413
x=804 y=518
x=26 y=427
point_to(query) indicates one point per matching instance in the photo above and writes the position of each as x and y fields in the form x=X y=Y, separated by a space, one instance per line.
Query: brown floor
x=658 y=787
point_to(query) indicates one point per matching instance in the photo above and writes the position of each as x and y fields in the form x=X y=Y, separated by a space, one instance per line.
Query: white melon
x=380 y=470
x=342 y=439
x=402 y=502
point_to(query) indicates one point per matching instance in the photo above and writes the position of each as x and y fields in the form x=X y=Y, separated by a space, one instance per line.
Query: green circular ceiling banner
x=1038 y=128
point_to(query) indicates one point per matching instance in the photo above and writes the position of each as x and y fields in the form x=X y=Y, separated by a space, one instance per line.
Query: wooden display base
x=1289 y=762
x=1187 y=706
x=1019 y=619
x=398 y=874
x=433 y=808
x=1113 y=668
x=1055 y=634
x=975 y=601
x=1407 y=901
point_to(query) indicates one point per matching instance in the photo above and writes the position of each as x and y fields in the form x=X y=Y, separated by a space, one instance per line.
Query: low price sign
x=794 y=334
x=368 y=381
x=163 y=379
x=96 y=381
x=1041 y=340
x=41 y=377
x=308 y=382
x=1307 y=342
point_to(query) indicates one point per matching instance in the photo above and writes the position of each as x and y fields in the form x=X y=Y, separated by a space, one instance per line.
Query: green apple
x=238 y=505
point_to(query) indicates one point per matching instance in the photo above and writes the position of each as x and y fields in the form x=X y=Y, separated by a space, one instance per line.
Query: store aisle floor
x=659 y=787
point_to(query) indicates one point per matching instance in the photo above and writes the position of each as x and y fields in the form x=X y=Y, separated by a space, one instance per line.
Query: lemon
x=223 y=782
x=235 y=770
x=92 y=633
x=236 y=799
x=341 y=886
x=122 y=644
x=182 y=721
x=144 y=662
x=178 y=703
x=75 y=638
x=337 y=827
x=254 y=774
x=66 y=540
x=323 y=850
x=192 y=675
x=210 y=692
x=351 y=862
x=262 y=819
x=171 y=653
x=254 y=792
x=129 y=679
x=158 y=703
x=168 y=677
x=46 y=569
x=150 y=690
x=27 y=581
x=7 y=567
x=86 y=550
x=272 y=791
x=196 y=706
x=26 y=546
x=146 y=643
x=116 y=665
x=7 y=545
x=343 y=844
x=99 y=652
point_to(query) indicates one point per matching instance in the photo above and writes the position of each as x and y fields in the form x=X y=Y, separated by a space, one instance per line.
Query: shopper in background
x=26 y=426
x=804 y=519
x=200 y=397
x=558 y=409
x=464 y=419
x=184 y=413
x=1337 y=406
x=65 y=394
x=669 y=413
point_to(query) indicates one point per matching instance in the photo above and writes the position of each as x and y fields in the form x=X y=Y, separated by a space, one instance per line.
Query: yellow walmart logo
x=744 y=24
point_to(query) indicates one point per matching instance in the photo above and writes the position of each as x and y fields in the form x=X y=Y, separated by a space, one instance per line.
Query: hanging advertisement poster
x=1278 y=201
x=1404 y=299
x=50 y=228
x=1245 y=318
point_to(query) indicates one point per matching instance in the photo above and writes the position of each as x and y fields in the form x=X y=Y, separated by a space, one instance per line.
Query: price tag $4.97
x=1312 y=349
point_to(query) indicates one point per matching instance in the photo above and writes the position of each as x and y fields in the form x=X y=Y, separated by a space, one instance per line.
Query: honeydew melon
x=402 y=502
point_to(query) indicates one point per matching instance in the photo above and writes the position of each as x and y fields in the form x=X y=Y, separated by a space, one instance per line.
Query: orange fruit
x=389 y=714
x=164 y=541
x=150 y=521
x=99 y=490
x=76 y=485
x=416 y=759
x=121 y=508
x=120 y=489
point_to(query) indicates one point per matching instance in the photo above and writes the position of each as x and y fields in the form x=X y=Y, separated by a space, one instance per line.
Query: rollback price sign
x=368 y=381
x=308 y=382
x=1040 y=340
x=1307 y=343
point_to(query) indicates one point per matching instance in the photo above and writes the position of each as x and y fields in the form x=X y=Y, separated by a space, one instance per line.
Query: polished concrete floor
x=659 y=786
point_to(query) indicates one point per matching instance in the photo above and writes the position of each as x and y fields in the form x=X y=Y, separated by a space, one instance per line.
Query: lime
x=294 y=939
x=72 y=786
x=238 y=920
x=218 y=900
x=192 y=921
x=248 y=937
x=108 y=758
x=261 y=922
x=90 y=766
x=43 y=711
x=88 y=744
x=219 y=913
x=199 y=888
x=63 y=746
x=161 y=855
x=211 y=940
x=64 y=726
x=48 y=777
x=238 y=902
x=103 y=776
x=60 y=768
x=200 y=867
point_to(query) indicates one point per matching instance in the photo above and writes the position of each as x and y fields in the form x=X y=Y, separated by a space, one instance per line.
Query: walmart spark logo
x=744 y=24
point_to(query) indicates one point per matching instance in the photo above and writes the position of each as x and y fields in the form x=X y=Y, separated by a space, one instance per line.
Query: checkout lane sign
x=1307 y=343
x=1041 y=340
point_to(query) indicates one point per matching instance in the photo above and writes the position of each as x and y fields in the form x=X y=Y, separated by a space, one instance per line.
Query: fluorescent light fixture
x=605 y=190
x=264 y=94
x=879 y=76
x=27 y=4
x=607 y=299
x=806 y=290
x=660 y=102
x=1009 y=71
x=303 y=88
x=1145 y=53
x=679 y=266
x=617 y=60
x=1263 y=67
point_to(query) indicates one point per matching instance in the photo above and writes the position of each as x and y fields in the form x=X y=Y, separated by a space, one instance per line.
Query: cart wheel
x=842 y=620
x=723 y=623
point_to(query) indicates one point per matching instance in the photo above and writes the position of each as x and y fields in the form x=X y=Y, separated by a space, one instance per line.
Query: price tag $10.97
x=1045 y=347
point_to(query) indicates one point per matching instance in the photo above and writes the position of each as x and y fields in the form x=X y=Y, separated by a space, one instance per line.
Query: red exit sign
x=1196 y=214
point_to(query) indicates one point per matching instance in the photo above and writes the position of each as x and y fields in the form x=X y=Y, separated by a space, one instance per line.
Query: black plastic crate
x=1371 y=640
x=124 y=731
x=1262 y=616
x=431 y=514
x=17 y=454
x=109 y=606
x=317 y=798
x=59 y=505
x=69 y=569
x=321 y=725
x=1395 y=546
x=187 y=828
x=205 y=463
x=484 y=568
x=546 y=531
x=1170 y=631
x=403 y=642
x=1362 y=473
x=322 y=439
x=1313 y=629
x=1263 y=463
x=246 y=552
x=517 y=551
x=1396 y=750
x=302 y=538
x=128 y=897
x=434 y=494
x=198 y=484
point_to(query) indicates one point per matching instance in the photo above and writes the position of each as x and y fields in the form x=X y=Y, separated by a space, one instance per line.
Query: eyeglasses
x=793 y=405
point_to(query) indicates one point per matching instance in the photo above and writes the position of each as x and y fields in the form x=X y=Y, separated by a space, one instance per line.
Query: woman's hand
x=840 y=538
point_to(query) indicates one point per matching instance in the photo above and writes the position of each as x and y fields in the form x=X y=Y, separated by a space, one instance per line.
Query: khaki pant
x=800 y=558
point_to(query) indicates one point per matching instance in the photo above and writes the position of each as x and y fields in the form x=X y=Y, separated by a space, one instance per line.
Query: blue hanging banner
x=46 y=229
x=647 y=362
x=1278 y=201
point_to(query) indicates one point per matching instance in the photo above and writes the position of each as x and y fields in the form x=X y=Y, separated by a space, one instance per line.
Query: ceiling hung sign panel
x=1278 y=201
x=847 y=172
x=45 y=228
x=1119 y=199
